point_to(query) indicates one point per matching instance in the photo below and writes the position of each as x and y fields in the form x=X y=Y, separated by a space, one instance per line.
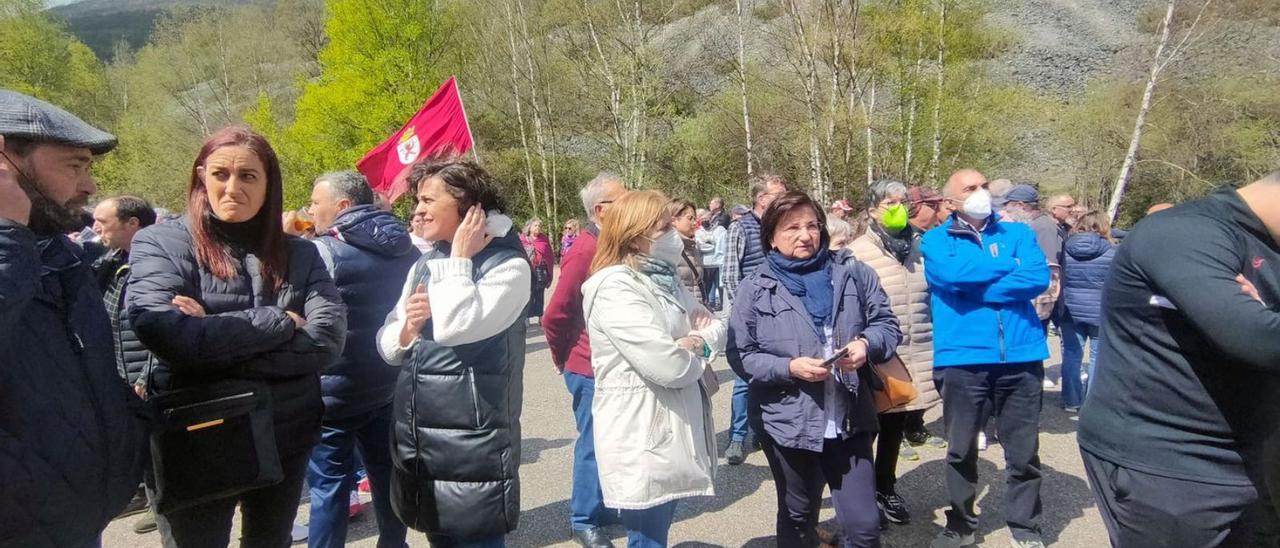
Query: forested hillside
x=688 y=95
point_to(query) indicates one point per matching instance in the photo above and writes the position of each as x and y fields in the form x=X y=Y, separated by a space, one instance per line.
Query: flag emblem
x=439 y=126
x=409 y=147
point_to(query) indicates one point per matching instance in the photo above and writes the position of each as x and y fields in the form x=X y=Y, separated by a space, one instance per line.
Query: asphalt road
x=742 y=512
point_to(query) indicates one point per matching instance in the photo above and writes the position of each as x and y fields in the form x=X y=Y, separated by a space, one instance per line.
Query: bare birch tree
x=742 y=83
x=867 y=100
x=1164 y=55
x=519 y=99
x=539 y=114
x=806 y=68
x=939 y=87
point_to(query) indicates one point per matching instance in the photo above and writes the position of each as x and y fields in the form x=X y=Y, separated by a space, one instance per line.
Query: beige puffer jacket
x=909 y=296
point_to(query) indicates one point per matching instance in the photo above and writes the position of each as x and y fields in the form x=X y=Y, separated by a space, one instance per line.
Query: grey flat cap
x=30 y=118
x=1026 y=194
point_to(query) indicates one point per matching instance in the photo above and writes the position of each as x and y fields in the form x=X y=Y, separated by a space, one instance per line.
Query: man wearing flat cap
x=926 y=208
x=71 y=434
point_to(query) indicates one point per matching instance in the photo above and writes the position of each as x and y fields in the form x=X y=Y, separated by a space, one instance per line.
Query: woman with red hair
x=223 y=295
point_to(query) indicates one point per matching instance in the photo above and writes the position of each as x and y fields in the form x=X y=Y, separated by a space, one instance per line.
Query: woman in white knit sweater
x=650 y=345
x=891 y=246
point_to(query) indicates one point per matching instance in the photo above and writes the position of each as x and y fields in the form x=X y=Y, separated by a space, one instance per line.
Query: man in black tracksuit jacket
x=1172 y=432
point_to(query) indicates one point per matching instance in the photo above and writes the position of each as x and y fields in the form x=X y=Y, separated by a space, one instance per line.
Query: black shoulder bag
x=214 y=440
x=211 y=442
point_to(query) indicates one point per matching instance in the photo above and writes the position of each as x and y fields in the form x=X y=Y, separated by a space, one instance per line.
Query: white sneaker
x=299 y=533
x=982 y=441
x=1048 y=384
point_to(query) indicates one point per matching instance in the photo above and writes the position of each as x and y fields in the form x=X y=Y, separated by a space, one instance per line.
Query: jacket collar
x=839 y=264
x=59 y=261
x=1244 y=216
x=959 y=227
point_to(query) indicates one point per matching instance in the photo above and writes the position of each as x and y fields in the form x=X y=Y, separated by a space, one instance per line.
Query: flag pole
x=466 y=120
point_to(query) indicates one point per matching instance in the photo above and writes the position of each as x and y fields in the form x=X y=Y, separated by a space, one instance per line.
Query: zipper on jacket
x=223 y=399
x=1000 y=332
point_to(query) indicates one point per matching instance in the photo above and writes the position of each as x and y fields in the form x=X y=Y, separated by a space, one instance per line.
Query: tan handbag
x=895 y=387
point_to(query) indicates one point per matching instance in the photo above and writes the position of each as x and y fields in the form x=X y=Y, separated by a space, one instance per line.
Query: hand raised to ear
x=471 y=236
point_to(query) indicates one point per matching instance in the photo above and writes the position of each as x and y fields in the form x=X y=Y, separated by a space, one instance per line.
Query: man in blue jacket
x=71 y=434
x=988 y=354
x=367 y=251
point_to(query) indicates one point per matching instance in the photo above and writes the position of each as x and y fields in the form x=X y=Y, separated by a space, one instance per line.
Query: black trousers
x=915 y=423
x=1271 y=458
x=970 y=396
x=892 y=429
x=267 y=513
x=1143 y=510
x=799 y=475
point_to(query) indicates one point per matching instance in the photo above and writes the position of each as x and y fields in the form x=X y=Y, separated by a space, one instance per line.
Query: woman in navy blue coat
x=798 y=309
x=1090 y=250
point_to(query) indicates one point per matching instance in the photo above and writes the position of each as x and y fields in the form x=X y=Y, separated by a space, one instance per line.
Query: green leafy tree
x=382 y=60
x=38 y=57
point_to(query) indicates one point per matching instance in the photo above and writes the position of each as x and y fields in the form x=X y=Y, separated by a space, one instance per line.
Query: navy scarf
x=810 y=280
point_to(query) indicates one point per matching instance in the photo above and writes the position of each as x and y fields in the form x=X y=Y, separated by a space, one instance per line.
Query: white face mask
x=978 y=204
x=667 y=248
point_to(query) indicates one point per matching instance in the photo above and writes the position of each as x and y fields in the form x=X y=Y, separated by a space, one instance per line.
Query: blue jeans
x=738 y=411
x=711 y=285
x=1091 y=335
x=1074 y=338
x=331 y=476
x=586 y=503
x=648 y=528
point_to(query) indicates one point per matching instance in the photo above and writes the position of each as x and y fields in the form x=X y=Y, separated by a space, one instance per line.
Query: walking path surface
x=742 y=513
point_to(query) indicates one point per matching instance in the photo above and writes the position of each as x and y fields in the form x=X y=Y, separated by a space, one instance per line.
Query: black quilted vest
x=456 y=452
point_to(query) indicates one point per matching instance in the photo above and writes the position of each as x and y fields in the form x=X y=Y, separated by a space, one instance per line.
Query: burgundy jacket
x=563 y=321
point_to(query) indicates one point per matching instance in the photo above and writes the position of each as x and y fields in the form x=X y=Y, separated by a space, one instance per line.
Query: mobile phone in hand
x=831 y=362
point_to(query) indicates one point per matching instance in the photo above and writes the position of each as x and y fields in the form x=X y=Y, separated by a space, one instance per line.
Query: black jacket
x=246 y=333
x=112 y=273
x=71 y=431
x=456 y=455
x=368 y=252
x=1189 y=371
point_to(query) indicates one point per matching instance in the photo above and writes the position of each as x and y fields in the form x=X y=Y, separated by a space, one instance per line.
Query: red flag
x=440 y=124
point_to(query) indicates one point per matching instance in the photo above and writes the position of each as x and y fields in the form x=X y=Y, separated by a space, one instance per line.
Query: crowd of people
x=236 y=355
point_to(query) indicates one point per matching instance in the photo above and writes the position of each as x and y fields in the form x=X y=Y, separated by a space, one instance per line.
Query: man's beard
x=47 y=216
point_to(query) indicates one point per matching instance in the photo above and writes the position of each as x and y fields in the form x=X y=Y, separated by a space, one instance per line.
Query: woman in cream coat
x=650 y=345
x=891 y=246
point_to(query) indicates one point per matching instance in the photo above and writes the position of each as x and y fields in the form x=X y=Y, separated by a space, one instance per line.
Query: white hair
x=593 y=193
x=838 y=227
